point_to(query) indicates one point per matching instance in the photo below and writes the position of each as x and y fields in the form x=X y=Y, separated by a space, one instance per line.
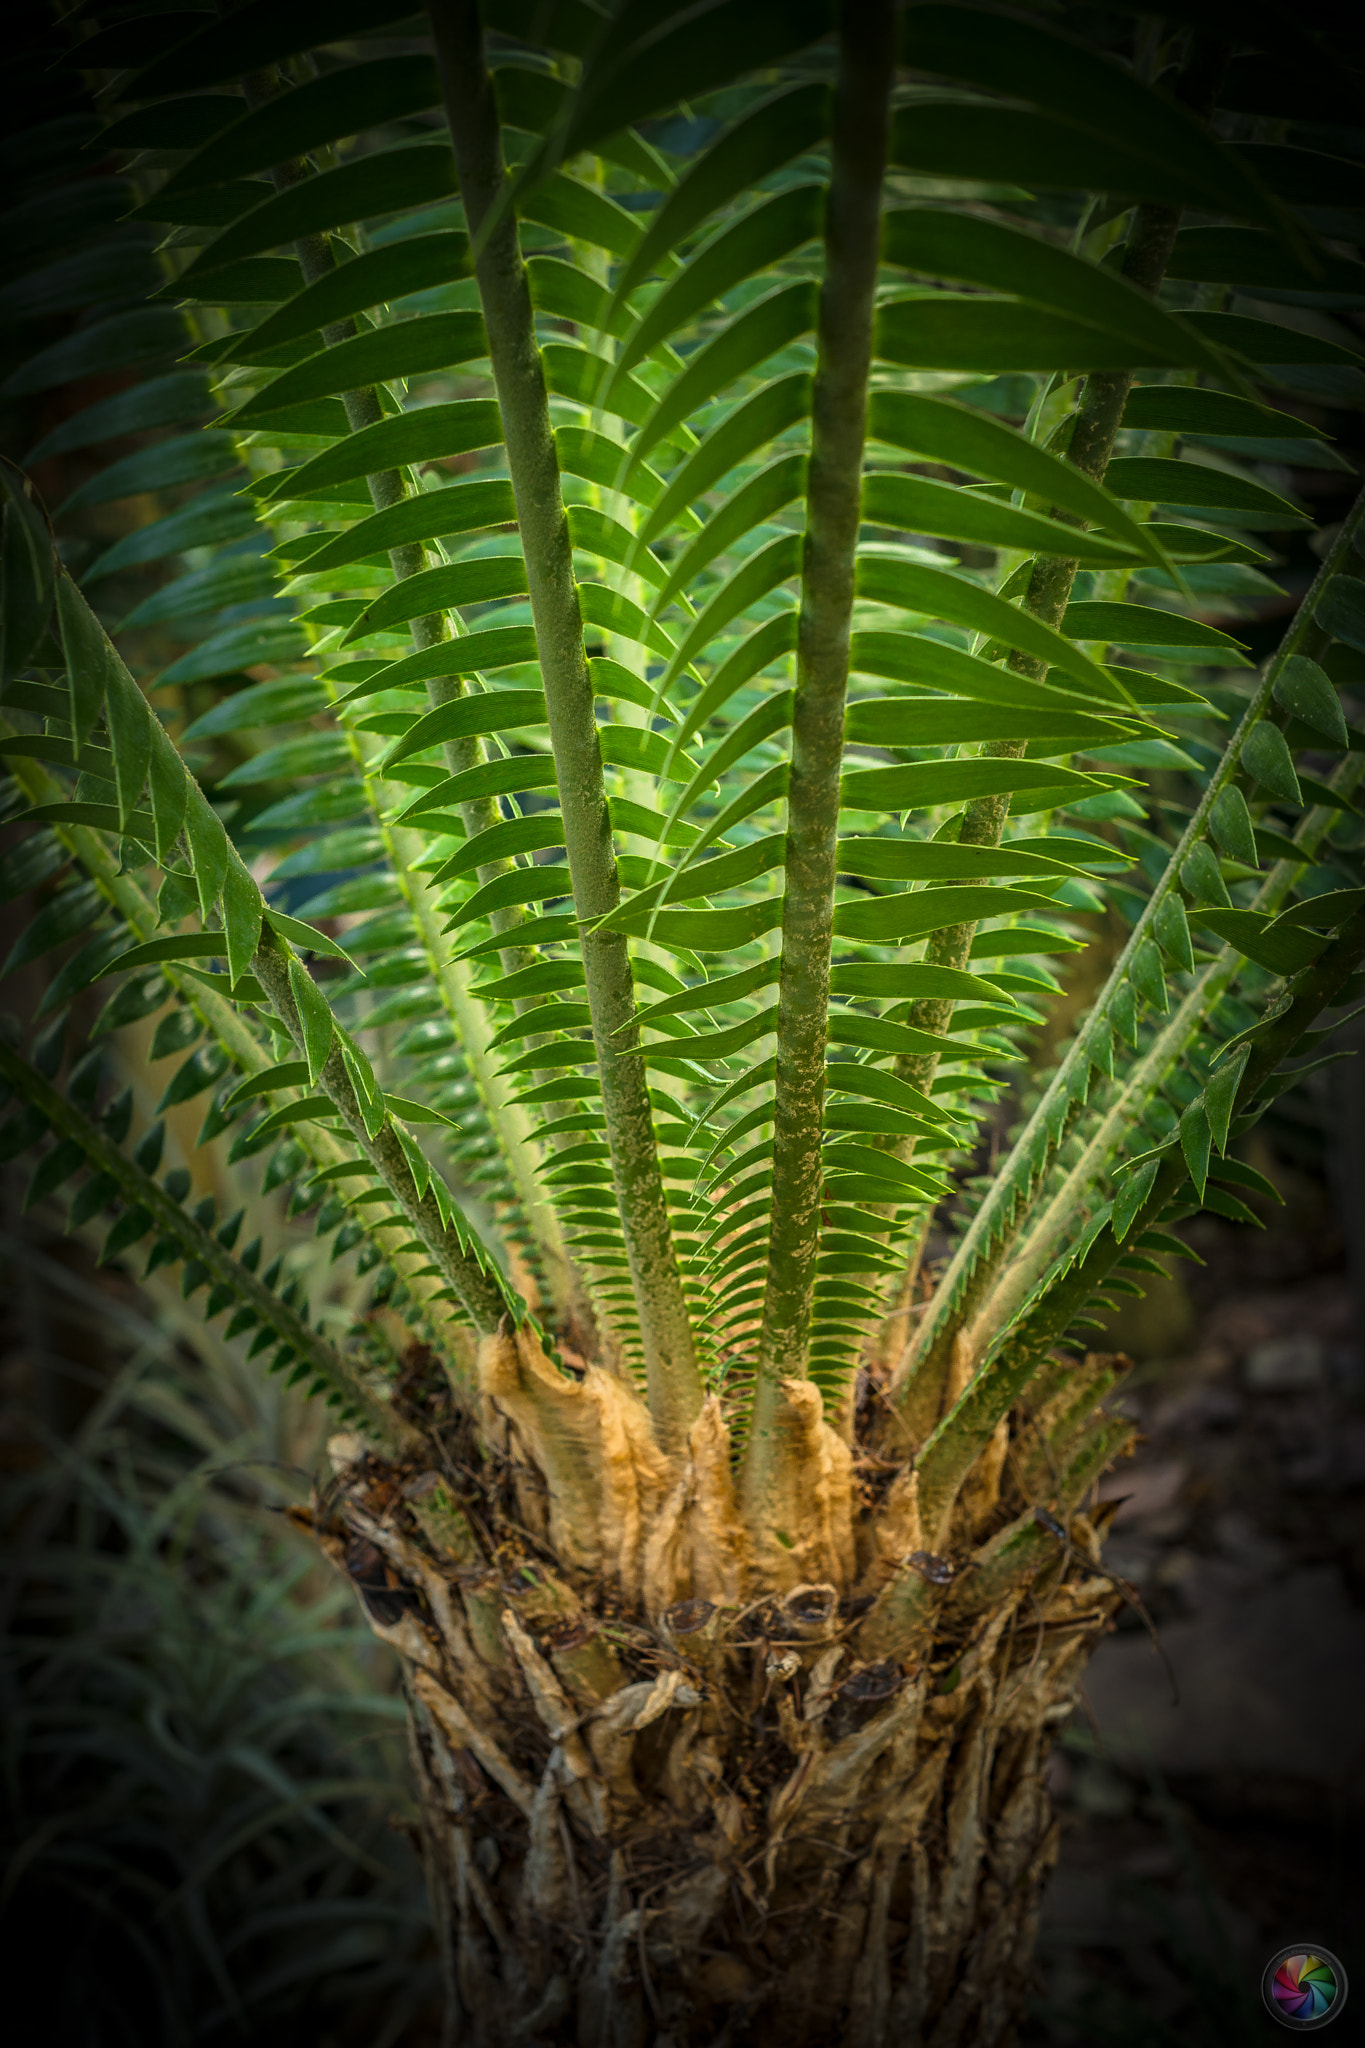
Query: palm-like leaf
x=738 y=579
x=698 y=645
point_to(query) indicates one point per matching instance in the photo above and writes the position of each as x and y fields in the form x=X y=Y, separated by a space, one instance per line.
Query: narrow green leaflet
x=922 y=785
x=431 y=515
x=921 y=860
x=1006 y=259
x=771 y=491
x=993 y=336
x=684 y=60
x=342 y=103
x=1139 y=625
x=929 y=663
x=492 y=711
x=432 y=590
x=433 y=341
x=1087 y=89
x=495 y=648
x=581 y=213
x=1185 y=409
x=750 y=425
x=917 y=505
x=233 y=580
x=373 y=279
x=969 y=439
x=913 y=586
x=746 y=341
x=1198 y=483
x=372 y=185
x=899 y=919
x=169 y=401
x=1266 y=341
x=424 y=435
x=764 y=572
x=931 y=721
x=209 y=51
x=1246 y=256
x=761 y=142
x=735 y=253
x=1036 y=150
x=212 y=518
x=120 y=342
x=240 y=647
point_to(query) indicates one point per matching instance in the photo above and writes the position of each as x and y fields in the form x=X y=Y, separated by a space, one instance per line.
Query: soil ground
x=1212 y=1793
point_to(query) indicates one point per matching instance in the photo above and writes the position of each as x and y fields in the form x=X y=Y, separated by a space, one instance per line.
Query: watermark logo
x=1304 y=1987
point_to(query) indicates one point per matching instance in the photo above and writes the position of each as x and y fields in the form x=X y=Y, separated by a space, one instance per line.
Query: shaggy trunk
x=690 y=1773
x=659 y=1810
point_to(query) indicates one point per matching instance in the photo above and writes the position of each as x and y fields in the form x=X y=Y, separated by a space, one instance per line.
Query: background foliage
x=1081 y=834
x=338 y=789
x=201 y=1752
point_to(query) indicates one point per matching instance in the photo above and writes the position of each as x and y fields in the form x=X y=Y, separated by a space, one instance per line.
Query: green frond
x=486 y=569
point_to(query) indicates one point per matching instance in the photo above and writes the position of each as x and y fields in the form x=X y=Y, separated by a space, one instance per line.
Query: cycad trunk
x=692 y=1773
x=661 y=1807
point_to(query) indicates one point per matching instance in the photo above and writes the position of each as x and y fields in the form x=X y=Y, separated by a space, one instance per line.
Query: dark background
x=1195 y=1839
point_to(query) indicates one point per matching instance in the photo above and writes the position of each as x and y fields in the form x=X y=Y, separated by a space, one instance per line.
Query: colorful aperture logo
x=1304 y=1987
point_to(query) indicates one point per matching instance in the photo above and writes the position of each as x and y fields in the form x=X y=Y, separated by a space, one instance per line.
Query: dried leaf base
x=666 y=1805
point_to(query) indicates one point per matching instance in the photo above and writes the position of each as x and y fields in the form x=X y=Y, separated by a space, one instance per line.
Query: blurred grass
x=202 y=1747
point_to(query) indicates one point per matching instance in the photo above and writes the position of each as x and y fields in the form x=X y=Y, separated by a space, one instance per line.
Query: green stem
x=674 y=1383
x=223 y=1020
x=988 y=1242
x=958 y=1440
x=198 y=1243
x=838 y=430
x=1049 y=593
x=1316 y=990
x=1146 y=255
x=1070 y=1207
x=511 y=1127
x=480 y=1291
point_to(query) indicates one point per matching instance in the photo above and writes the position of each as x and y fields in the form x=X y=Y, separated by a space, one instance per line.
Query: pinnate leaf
x=426 y=434
x=761 y=142
x=314 y=1018
x=342 y=102
x=243 y=912
x=373 y=279
x=1133 y=1192
x=781 y=316
x=406 y=348
x=307 y=937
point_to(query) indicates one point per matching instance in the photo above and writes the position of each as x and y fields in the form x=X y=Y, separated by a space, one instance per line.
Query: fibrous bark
x=666 y=1804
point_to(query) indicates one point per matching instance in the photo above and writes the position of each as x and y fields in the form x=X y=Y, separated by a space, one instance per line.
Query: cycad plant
x=704 y=588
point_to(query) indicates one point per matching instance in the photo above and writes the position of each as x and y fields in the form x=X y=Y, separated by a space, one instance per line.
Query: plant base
x=712 y=1829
